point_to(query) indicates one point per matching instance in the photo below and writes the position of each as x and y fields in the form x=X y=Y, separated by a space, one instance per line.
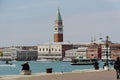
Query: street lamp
x=107 y=45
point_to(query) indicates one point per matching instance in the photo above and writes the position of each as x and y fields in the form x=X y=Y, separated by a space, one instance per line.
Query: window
x=91 y=50
x=39 y=49
x=49 y=50
x=46 y=49
x=60 y=29
x=55 y=49
x=59 y=49
x=52 y=49
x=92 y=54
x=55 y=28
x=43 y=49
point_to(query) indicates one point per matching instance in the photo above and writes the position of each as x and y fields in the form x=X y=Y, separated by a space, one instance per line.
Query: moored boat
x=45 y=60
x=82 y=61
x=67 y=60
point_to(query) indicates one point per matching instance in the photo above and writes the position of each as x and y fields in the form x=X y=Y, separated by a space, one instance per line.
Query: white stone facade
x=53 y=50
x=73 y=53
x=50 y=51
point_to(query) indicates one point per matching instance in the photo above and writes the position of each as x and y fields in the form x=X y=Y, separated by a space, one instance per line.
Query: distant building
x=53 y=51
x=94 y=51
x=115 y=50
x=9 y=53
x=73 y=53
x=26 y=55
x=19 y=54
x=104 y=52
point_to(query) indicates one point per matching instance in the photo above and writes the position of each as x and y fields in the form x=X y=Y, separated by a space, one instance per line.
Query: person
x=105 y=64
x=25 y=66
x=96 y=65
x=117 y=67
x=7 y=62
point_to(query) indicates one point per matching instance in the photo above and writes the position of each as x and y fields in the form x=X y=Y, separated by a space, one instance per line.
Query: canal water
x=39 y=67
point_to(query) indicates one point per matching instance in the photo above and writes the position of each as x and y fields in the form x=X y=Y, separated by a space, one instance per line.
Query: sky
x=31 y=22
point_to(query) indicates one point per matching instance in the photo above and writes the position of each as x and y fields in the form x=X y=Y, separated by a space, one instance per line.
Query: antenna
x=91 y=39
x=100 y=36
x=94 y=38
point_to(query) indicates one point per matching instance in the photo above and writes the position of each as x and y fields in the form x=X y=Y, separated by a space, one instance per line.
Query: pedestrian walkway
x=77 y=75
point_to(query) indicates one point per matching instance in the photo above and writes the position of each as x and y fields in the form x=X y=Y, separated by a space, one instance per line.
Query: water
x=38 y=67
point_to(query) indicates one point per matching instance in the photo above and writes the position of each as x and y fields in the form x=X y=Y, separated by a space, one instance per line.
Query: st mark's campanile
x=58 y=28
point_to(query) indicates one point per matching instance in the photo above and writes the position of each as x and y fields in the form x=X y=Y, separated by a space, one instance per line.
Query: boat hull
x=82 y=63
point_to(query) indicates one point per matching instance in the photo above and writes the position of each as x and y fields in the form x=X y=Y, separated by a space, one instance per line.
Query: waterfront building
x=73 y=53
x=9 y=53
x=26 y=55
x=13 y=53
x=94 y=51
x=54 y=51
x=104 y=52
x=114 y=50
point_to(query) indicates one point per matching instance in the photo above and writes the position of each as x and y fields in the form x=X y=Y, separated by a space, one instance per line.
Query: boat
x=82 y=61
x=45 y=60
x=67 y=60
x=9 y=63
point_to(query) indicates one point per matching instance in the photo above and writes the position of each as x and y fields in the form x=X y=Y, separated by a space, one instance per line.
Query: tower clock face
x=55 y=29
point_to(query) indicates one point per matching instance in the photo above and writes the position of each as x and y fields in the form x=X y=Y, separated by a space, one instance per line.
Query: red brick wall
x=58 y=37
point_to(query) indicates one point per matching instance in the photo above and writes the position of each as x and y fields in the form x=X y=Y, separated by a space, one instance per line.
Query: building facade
x=26 y=55
x=9 y=53
x=114 y=50
x=73 y=53
x=52 y=51
x=94 y=51
x=19 y=54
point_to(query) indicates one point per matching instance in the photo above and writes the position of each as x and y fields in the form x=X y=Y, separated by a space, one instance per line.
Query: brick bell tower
x=58 y=28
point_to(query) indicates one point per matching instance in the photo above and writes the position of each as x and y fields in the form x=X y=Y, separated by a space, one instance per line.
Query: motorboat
x=82 y=61
x=7 y=62
x=45 y=60
x=67 y=60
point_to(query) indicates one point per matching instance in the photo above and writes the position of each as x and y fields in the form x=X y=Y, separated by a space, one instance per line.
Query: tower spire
x=58 y=28
x=58 y=17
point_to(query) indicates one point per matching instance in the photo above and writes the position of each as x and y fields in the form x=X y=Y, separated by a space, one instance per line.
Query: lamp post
x=107 y=45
